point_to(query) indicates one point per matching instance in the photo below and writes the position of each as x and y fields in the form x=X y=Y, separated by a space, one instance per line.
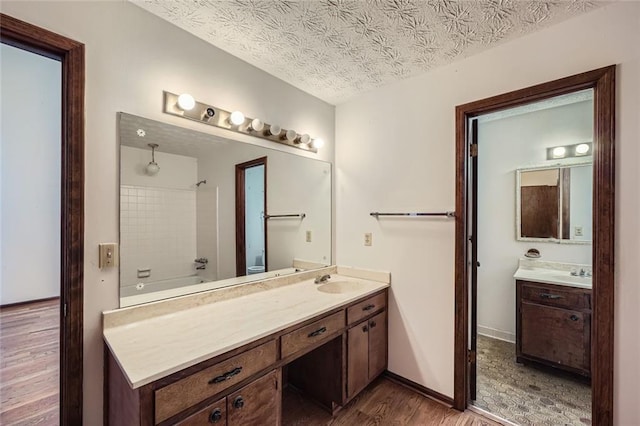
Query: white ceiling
x=336 y=49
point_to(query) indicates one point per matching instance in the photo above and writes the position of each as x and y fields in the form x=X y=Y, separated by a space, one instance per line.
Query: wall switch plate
x=578 y=231
x=308 y=236
x=368 y=239
x=108 y=255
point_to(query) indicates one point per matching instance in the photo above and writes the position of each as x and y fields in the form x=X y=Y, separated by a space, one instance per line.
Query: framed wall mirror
x=554 y=203
x=199 y=212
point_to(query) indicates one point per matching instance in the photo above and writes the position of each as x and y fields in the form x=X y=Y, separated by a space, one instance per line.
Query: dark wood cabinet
x=258 y=403
x=366 y=352
x=554 y=326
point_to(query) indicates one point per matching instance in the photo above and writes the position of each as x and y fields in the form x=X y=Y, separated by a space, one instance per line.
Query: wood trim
x=26 y=302
x=603 y=82
x=71 y=55
x=241 y=259
x=418 y=388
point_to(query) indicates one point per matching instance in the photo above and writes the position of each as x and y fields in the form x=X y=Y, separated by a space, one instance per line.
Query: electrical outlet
x=308 y=236
x=368 y=239
x=578 y=231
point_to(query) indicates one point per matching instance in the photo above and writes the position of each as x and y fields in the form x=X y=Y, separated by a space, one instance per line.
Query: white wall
x=409 y=164
x=30 y=176
x=504 y=145
x=131 y=57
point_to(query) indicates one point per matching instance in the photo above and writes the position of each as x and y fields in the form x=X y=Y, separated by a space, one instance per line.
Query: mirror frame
x=602 y=81
x=518 y=217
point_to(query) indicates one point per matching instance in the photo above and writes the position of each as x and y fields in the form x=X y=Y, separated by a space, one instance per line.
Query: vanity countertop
x=149 y=348
x=552 y=273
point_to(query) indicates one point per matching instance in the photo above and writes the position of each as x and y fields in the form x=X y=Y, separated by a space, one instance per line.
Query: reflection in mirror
x=554 y=203
x=183 y=228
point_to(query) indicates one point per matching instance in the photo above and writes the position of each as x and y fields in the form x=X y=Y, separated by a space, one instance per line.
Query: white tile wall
x=157 y=231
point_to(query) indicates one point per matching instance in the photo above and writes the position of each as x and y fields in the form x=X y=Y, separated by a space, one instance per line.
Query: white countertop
x=152 y=348
x=552 y=273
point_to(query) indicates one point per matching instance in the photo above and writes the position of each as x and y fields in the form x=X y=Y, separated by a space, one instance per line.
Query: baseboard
x=418 y=388
x=497 y=334
x=27 y=302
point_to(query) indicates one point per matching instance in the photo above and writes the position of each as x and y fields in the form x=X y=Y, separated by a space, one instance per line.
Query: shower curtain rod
x=447 y=214
x=271 y=216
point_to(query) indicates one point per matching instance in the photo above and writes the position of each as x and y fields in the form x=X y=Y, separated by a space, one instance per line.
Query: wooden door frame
x=241 y=253
x=602 y=81
x=71 y=55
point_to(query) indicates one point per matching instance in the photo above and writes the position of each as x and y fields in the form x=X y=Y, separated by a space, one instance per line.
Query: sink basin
x=572 y=278
x=337 y=287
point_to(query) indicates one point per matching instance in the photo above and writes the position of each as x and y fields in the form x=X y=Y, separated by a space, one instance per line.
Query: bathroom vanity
x=224 y=357
x=553 y=316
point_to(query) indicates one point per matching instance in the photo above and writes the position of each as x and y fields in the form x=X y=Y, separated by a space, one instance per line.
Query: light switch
x=368 y=239
x=308 y=236
x=108 y=255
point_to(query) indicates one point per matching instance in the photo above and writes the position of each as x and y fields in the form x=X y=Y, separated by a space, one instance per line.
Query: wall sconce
x=186 y=106
x=568 y=151
x=152 y=168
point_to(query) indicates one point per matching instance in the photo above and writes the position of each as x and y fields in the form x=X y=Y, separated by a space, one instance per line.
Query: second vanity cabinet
x=330 y=358
x=553 y=326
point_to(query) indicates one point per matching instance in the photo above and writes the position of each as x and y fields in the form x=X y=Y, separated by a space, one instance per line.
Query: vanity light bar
x=567 y=151
x=186 y=107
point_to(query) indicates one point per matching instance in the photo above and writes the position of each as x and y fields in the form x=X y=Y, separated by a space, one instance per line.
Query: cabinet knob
x=215 y=416
x=364 y=328
x=574 y=318
x=238 y=402
x=372 y=324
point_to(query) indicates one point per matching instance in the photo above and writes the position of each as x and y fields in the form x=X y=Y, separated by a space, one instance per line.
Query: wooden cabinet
x=258 y=403
x=366 y=352
x=554 y=326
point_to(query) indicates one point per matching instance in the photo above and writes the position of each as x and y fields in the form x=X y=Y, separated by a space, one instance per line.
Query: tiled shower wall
x=157 y=231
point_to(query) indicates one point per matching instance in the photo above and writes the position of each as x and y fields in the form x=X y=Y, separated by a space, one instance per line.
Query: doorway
x=65 y=312
x=602 y=82
x=251 y=205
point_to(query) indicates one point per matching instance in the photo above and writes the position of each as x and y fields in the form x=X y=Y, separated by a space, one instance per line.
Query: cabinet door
x=215 y=413
x=377 y=345
x=561 y=336
x=258 y=403
x=358 y=358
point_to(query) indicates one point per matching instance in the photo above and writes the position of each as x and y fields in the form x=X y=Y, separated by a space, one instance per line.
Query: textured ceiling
x=335 y=49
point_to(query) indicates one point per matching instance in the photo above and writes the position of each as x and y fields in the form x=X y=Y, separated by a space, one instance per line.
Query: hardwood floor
x=383 y=403
x=29 y=363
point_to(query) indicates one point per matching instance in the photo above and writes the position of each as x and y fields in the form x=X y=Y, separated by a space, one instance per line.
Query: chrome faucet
x=202 y=262
x=322 y=279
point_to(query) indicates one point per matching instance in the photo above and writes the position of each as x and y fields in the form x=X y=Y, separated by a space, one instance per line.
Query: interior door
x=473 y=242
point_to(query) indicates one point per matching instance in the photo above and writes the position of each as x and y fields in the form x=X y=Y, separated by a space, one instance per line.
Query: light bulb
x=236 y=118
x=304 y=139
x=152 y=168
x=559 y=152
x=186 y=102
x=275 y=129
x=291 y=135
x=317 y=143
x=582 y=149
x=256 y=124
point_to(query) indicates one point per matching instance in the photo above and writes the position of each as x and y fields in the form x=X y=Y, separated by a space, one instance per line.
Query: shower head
x=201 y=182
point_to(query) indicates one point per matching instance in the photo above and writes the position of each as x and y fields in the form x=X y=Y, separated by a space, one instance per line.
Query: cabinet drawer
x=215 y=413
x=366 y=307
x=178 y=396
x=308 y=335
x=560 y=297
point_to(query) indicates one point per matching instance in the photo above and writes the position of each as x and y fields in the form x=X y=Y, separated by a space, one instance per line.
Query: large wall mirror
x=199 y=212
x=554 y=204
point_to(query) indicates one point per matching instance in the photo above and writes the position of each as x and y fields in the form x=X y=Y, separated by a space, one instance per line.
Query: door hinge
x=471 y=357
x=473 y=150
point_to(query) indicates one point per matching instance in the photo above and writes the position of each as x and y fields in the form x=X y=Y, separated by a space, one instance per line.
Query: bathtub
x=153 y=286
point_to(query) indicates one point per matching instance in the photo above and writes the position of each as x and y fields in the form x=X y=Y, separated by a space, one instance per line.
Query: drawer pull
x=317 y=332
x=226 y=376
x=215 y=416
x=550 y=296
x=368 y=307
x=238 y=402
x=574 y=318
